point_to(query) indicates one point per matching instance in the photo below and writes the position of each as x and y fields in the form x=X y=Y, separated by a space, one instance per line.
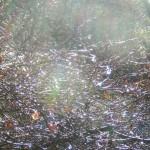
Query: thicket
x=74 y=74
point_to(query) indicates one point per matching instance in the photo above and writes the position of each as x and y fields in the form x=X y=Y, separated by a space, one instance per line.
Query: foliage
x=74 y=74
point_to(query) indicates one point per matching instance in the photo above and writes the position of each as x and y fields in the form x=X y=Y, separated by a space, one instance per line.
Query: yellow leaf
x=35 y=115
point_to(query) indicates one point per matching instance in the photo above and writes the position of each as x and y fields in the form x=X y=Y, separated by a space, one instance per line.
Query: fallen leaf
x=9 y=123
x=67 y=109
x=7 y=68
x=106 y=95
x=35 y=115
x=52 y=127
x=1 y=58
x=148 y=66
x=1 y=71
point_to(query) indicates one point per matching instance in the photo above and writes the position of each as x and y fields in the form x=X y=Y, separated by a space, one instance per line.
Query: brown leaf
x=9 y=123
x=35 y=115
x=52 y=127
x=106 y=95
x=1 y=58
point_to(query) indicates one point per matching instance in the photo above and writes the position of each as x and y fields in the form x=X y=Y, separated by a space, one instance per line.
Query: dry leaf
x=1 y=58
x=126 y=81
x=35 y=115
x=106 y=95
x=52 y=127
x=67 y=109
x=9 y=123
x=7 y=68
x=148 y=66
